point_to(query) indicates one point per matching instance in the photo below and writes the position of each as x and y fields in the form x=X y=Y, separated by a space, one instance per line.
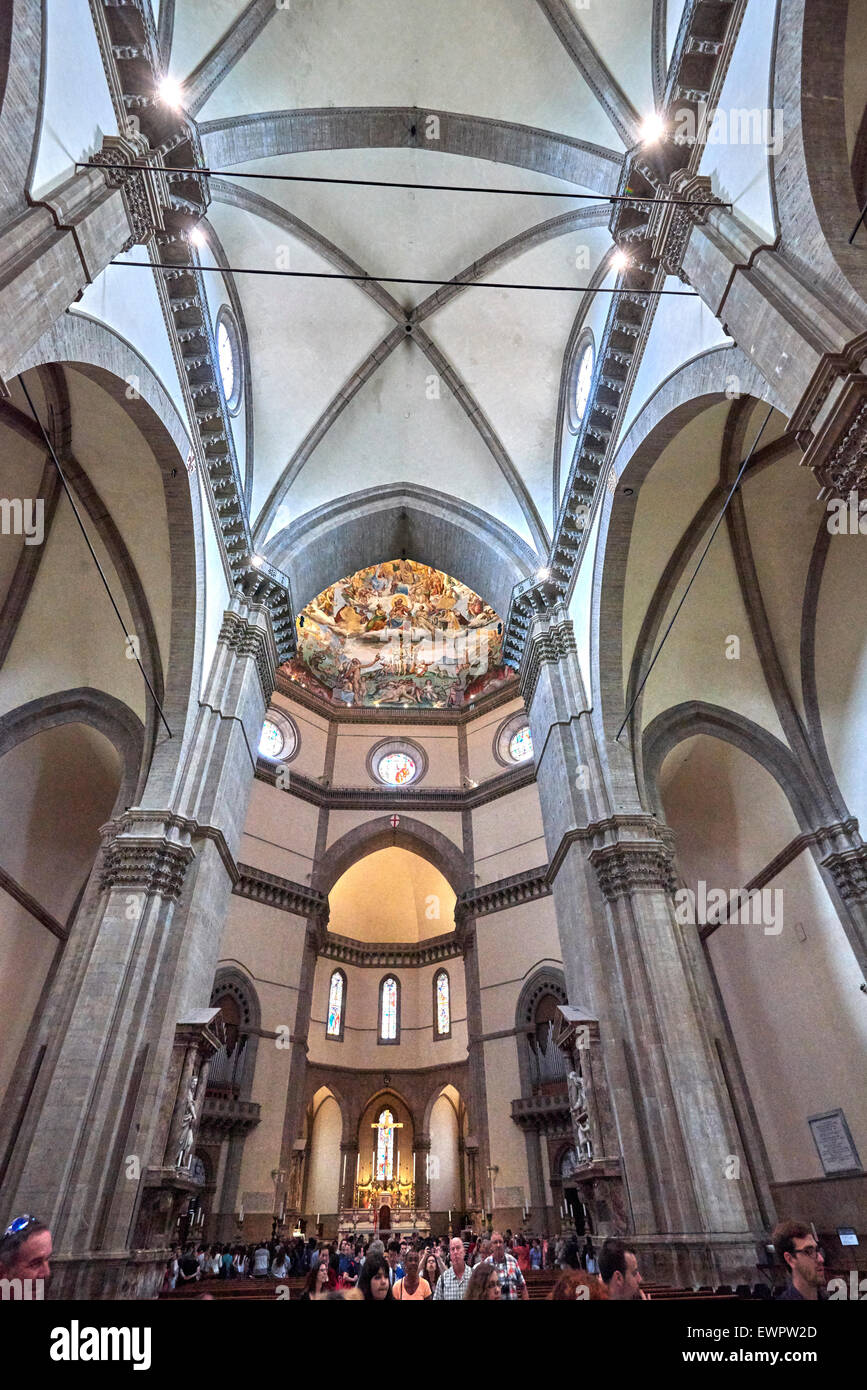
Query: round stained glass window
x=521 y=745
x=396 y=769
x=228 y=357
x=583 y=381
x=271 y=741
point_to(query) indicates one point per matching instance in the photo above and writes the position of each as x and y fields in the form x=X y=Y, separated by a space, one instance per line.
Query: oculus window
x=229 y=358
x=581 y=379
x=278 y=740
x=513 y=742
x=396 y=762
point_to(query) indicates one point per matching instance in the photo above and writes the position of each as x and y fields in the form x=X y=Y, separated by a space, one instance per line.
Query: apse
x=392 y=895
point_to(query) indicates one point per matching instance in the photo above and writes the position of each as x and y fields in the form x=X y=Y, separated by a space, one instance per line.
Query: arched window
x=389 y=1010
x=336 y=1006
x=442 y=1005
x=385 y=1146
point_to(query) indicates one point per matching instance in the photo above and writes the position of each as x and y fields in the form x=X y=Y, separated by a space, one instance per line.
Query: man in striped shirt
x=453 y=1281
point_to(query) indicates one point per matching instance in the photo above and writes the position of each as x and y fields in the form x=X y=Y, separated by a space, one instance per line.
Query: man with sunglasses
x=798 y=1250
x=25 y=1250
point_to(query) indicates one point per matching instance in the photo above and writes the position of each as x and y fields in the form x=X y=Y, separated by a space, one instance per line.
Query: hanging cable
x=386 y=183
x=398 y=279
x=130 y=641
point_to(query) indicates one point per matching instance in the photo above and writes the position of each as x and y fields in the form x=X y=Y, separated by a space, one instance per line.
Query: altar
x=366 y=1221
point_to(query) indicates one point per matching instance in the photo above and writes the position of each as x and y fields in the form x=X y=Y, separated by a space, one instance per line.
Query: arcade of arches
x=399 y=831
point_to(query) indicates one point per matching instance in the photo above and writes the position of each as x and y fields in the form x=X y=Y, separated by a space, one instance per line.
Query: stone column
x=348 y=1165
x=477 y=1104
x=627 y=966
x=144 y=950
x=533 y=1142
x=421 y=1155
x=293 y=1120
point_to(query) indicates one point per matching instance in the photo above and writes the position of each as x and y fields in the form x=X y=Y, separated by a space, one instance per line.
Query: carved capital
x=849 y=872
x=245 y=639
x=671 y=223
x=548 y=644
x=624 y=868
x=837 y=449
x=151 y=866
x=145 y=192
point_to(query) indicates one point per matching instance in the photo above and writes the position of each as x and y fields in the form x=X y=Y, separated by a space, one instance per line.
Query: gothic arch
x=107 y=359
x=693 y=717
x=413 y=835
x=84 y=705
x=811 y=177
x=546 y=980
x=686 y=393
x=343 y=536
x=235 y=983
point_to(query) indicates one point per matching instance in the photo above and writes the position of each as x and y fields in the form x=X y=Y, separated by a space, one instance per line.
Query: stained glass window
x=444 y=1019
x=271 y=740
x=388 y=1014
x=583 y=381
x=395 y=769
x=521 y=745
x=385 y=1146
x=335 y=1005
x=226 y=354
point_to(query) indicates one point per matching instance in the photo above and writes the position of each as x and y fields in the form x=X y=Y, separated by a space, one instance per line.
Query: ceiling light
x=620 y=260
x=257 y=561
x=171 y=93
x=197 y=237
x=543 y=573
x=652 y=129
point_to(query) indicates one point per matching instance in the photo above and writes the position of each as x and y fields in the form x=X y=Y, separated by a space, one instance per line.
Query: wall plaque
x=834 y=1143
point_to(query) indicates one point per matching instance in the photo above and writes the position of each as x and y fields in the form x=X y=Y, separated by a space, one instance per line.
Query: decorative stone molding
x=131 y=57
x=153 y=827
x=281 y=893
x=224 y=1117
x=389 y=955
x=246 y=639
x=506 y=892
x=702 y=53
x=670 y=223
x=837 y=452
x=849 y=872
x=392 y=714
x=547 y=1114
x=152 y=866
x=145 y=193
x=408 y=798
x=624 y=868
x=550 y=646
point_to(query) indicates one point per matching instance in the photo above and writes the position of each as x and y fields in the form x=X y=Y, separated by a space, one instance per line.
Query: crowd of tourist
x=466 y=1267
x=414 y=1269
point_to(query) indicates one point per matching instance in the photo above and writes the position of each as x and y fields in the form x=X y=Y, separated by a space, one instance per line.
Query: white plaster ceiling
x=503 y=63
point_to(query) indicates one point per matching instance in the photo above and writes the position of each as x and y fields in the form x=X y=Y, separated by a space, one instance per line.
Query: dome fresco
x=399 y=633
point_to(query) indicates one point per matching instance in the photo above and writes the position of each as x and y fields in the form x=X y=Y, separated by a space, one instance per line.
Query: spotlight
x=652 y=129
x=543 y=573
x=620 y=260
x=257 y=561
x=197 y=237
x=171 y=93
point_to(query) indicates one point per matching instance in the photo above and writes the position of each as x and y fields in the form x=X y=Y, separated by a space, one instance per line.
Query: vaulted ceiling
x=360 y=386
